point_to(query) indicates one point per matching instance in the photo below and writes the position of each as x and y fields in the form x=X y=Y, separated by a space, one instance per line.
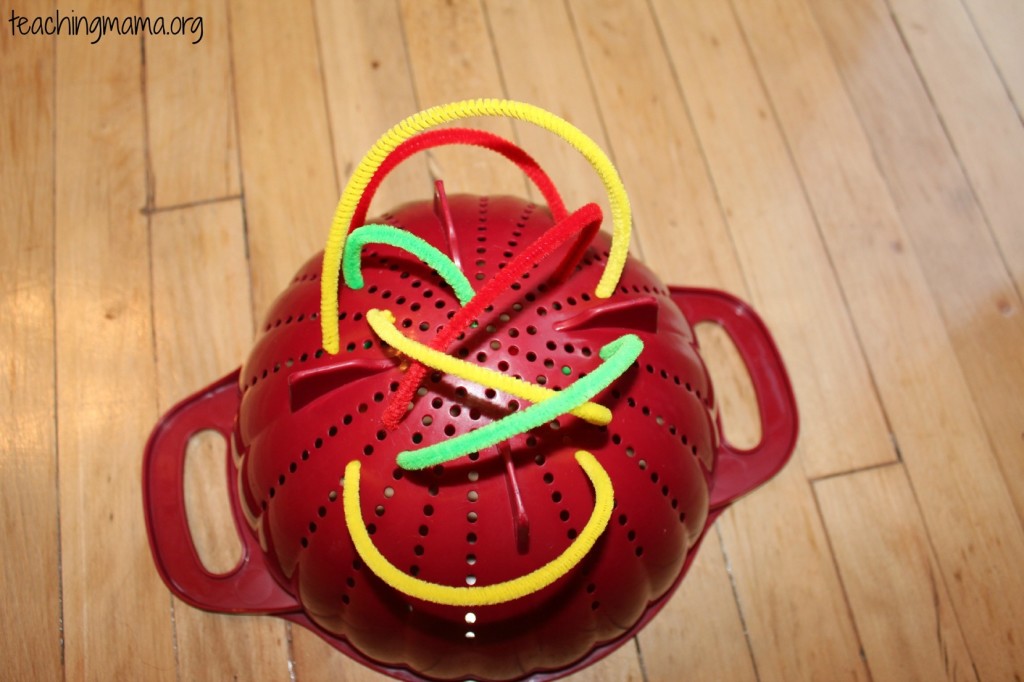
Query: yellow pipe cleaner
x=620 y=209
x=383 y=324
x=484 y=595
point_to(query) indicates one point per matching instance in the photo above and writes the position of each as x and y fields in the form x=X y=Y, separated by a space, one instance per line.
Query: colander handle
x=250 y=586
x=738 y=471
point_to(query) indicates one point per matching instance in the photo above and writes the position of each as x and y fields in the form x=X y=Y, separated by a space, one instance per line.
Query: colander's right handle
x=249 y=587
x=737 y=471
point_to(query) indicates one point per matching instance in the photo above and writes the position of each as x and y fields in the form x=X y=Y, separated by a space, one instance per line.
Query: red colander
x=475 y=440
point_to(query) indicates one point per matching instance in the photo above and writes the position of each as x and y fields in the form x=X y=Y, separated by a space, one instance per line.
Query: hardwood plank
x=369 y=89
x=699 y=635
x=621 y=666
x=203 y=328
x=958 y=255
x=1000 y=23
x=289 y=177
x=902 y=607
x=193 y=145
x=979 y=117
x=550 y=74
x=710 y=61
x=965 y=502
x=203 y=325
x=452 y=59
x=800 y=608
x=679 y=225
x=30 y=576
x=117 y=621
x=787 y=270
x=791 y=597
x=316 y=661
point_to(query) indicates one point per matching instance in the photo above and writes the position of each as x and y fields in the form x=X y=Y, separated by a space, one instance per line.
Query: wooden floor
x=853 y=169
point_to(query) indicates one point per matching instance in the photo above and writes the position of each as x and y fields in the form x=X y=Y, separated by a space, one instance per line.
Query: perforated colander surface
x=306 y=414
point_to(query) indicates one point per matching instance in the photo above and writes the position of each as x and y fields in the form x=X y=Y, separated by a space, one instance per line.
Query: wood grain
x=746 y=195
x=679 y=225
x=369 y=88
x=29 y=540
x=978 y=116
x=193 y=144
x=757 y=199
x=452 y=59
x=699 y=635
x=958 y=255
x=965 y=498
x=116 y=610
x=203 y=328
x=623 y=664
x=898 y=597
x=288 y=174
x=790 y=595
x=1000 y=24
x=550 y=74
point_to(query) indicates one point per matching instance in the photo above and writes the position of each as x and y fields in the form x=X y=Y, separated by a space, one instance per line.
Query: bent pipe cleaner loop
x=621 y=214
x=393 y=236
x=383 y=323
x=484 y=595
x=617 y=355
x=464 y=136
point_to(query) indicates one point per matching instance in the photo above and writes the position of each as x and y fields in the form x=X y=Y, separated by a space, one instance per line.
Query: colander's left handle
x=249 y=587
